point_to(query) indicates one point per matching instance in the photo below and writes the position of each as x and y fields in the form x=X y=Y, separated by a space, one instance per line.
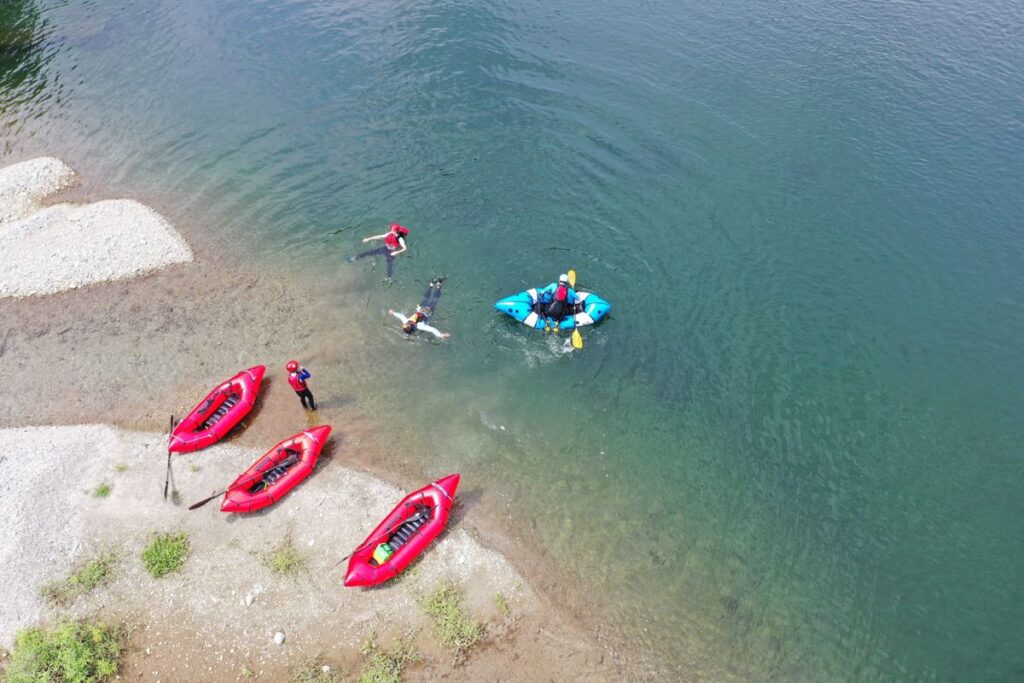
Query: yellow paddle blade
x=572 y=277
x=577 y=339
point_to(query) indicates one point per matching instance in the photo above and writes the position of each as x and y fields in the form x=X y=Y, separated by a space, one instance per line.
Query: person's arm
x=401 y=243
x=374 y=237
x=432 y=330
x=571 y=296
x=400 y=316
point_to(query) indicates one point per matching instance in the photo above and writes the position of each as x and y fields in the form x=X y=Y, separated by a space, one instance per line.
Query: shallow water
x=792 y=453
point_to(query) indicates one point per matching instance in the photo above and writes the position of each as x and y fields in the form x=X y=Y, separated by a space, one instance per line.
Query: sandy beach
x=49 y=249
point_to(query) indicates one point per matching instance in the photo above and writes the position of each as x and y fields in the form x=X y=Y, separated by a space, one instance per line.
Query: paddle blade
x=577 y=339
x=572 y=277
x=204 y=501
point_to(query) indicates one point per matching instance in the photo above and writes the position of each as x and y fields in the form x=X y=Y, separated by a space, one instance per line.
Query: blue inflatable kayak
x=523 y=307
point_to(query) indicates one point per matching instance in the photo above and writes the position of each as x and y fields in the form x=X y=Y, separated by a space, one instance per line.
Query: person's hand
x=365 y=240
x=445 y=335
x=390 y=312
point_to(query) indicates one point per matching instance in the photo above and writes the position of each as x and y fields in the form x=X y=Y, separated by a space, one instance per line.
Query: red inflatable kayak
x=403 y=535
x=222 y=409
x=277 y=472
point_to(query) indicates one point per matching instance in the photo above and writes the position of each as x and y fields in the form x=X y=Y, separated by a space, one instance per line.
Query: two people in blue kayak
x=556 y=301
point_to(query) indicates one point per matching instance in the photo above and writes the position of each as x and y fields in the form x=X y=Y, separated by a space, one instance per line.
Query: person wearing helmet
x=394 y=244
x=418 y=320
x=297 y=376
x=562 y=298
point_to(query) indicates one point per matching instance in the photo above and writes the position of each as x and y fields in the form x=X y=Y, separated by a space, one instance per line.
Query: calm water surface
x=794 y=451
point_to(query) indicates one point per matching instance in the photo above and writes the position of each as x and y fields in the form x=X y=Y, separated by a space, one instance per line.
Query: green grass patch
x=69 y=652
x=102 y=491
x=193 y=467
x=502 y=604
x=285 y=559
x=387 y=665
x=93 y=574
x=313 y=671
x=454 y=628
x=165 y=554
x=121 y=467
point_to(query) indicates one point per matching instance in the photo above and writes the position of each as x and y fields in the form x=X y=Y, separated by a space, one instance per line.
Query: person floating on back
x=418 y=320
x=394 y=244
x=556 y=300
x=297 y=376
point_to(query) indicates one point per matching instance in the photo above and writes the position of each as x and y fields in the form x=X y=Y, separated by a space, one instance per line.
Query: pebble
x=249 y=599
x=279 y=638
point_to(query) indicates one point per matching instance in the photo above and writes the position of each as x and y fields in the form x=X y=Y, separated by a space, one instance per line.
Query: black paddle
x=167 y=479
x=204 y=501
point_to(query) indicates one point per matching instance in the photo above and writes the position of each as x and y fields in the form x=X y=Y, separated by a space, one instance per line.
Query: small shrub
x=386 y=666
x=165 y=554
x=312 y=671
x=102 y=491
x=455 y=629
x=121 y=467
x=286 y=559
x=502 y=604
x=93 y=574
x=70 y=651
x=193 y=467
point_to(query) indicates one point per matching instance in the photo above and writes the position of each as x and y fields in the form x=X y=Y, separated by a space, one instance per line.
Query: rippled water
x=793 y=452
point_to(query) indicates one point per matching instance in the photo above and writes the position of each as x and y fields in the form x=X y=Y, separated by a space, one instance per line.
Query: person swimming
x=418 y=320
x=394 y=244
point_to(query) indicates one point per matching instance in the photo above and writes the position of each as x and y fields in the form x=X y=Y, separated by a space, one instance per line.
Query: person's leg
x=391 y=262
x=376 y=251
x=302 y=397
x=434 y=296
x=425 y=300
x=312 y=403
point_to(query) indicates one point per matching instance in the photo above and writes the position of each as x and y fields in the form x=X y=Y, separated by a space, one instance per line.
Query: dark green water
x=793 y=452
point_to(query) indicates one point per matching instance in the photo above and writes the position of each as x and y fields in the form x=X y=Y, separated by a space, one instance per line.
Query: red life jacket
x=397 y=231
x=296 y=383
x=562 y=293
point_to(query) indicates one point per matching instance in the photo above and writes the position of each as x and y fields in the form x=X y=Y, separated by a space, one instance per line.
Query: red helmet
x=292 y=366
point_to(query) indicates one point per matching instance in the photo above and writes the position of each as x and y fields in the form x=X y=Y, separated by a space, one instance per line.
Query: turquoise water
x=793 y=451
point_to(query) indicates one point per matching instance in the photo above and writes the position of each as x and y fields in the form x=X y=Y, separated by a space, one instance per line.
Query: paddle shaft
x=577 y=338
x=167 y=477
x=204 y=501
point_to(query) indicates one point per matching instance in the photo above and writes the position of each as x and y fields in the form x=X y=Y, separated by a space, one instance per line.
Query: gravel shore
x=56 y=248
x=225 y=605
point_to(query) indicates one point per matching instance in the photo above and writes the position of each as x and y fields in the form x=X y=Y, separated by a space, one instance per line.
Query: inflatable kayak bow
x=403 y=534
x=276 y=472
x=523 y=307
x=218 y=413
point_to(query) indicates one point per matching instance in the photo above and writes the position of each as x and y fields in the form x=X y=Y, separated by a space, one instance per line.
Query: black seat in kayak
x=408 y=529
x=230 y=402
x=271 y=476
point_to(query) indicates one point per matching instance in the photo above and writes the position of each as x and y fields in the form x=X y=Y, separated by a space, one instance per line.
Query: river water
x=793 y=450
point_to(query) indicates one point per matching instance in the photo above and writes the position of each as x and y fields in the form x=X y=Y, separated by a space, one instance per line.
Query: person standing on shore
x=418 y=319
x=394 y=244
x=297 y=376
